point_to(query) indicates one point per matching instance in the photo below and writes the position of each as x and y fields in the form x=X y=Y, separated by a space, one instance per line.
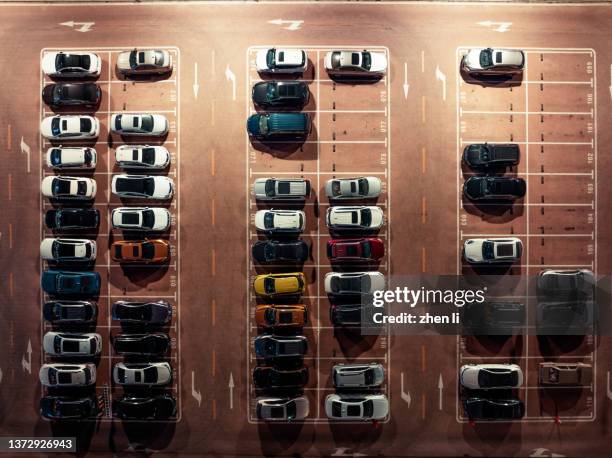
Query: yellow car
x=273 y=285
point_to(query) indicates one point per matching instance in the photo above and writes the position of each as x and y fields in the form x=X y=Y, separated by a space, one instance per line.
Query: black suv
x=293 y=251
x=72 y=218
x=141 y=344
x=489 y=409
x=494 y=188
x=68 y=408
x=270 y=377
x=145 y=408
x=481 y=156
x=280 y=94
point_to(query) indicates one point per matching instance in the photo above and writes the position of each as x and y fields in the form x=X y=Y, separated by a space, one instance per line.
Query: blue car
x=64 y=282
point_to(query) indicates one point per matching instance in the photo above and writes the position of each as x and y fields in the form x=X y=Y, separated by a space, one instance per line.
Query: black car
x=484 y=155
x=280 y=94
x=564 y=318
x=352 y=315
x=494 y=188
x=269 y=251
x=68 y=408
x=493 y=318
x=70 y=312
x=270 y=377
x=569 y=284
x=156 y=344
x=72 y=218
x=142 y=313
x=498 y=409
x=72 y=95
x=145 y=408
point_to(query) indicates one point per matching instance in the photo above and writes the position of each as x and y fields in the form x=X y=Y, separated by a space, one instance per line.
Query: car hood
x=472 y=59
x=473 y=249
x=45 y=126
x=259 y=187
x=253 y=124
x=123 y=60
x=469 y=377
x=379 y=62
x=260 y=93
x=260 y=59
x=163 y=187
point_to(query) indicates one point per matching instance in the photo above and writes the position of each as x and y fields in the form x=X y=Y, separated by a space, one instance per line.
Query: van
x=268 y=126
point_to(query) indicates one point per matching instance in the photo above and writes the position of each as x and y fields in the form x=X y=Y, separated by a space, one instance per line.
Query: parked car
x=71 y=64
x=494 y=250
x=351 y=250
x=354 y=218
x=140 y=251
x=64 y=187
x=143 y=374
x=565 y=374
x=281 y=316
x=64 y=219
x=278 y=126
x=566 y=283
x=356 y=406
x=71 y=157
x=67 y=375
x=489 y=61
x=156 y=344
x=60 y=312
x=353 y=188
x=265 y=377
x=355 y=315
x=355 y=63
x=276 y=222
x=275 y=285
x=485 y=376
x=68 y=407
x=281 y=189
x=142 y=313
x=60 y=95
x=155 y=125
x=493 y=409
x=564 y=318
x=141 y=218
x=282 y=409
x=60 y=282
x=142 y=157
x=72 y=344
x=350 y=283
x=282 y=60
x=159 y=407
x=280 y=94
x=275 y=251
x=70 y=127
x=368 y=375
x=493 y=318
x=68 y=250
x=494 y=188
x=144 y=62
x=143 y=187
x=269 y=347
x=484 y=156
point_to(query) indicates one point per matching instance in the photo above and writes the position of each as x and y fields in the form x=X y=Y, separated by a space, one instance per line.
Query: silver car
x=284 y=188
x=484 y=376
x=154 y=125
x=68 y=250
x=494 y=250
x=357 y=407
x=362 y=218
x=72 y=344
x=77 y=157
x=282 y=409
x=358 y=375
x=144 y=374
x=142 y=157
x=353 y=188
x=357 y=63
x=144 y=62
x=141 y=218
x=352 y=283
x=489 y=61
x=59 y=375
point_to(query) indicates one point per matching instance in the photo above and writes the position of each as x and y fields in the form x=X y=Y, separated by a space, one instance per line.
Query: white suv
x=494 y=250
x=141 y=218
x=281 y=60
x=280 y=221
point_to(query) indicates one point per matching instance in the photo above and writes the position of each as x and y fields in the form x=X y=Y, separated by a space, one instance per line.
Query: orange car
x=147 y=251
x=280 y=316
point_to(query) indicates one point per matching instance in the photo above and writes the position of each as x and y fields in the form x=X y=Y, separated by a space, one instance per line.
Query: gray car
x=489 y=61
x=356 y=407
x=72 y=344
x=358 y=375
x=282 y=409
x=279 y=189
x=353 y=188
x=142 y=374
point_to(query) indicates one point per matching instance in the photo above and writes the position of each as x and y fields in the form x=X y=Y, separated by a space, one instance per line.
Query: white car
x=281 y=60
x=356 y=63
x=483 y=376
x=144 y=374
x=357 y=406
x=282 y=409
x=353 y=188
x=70 y=127
x=143 y=187
x=72 y=344
x=59 y=375
x=364 y=218
x=358 y=375
x=141 y=218
x=352 y=283
x=142 y=157
x=144 y=62
x=280 y=221
x=155 y=125
x=68 y=250
x=71 y=64
x=64 y=187
x=71 y=157
x=488 y=61
x=494 y=250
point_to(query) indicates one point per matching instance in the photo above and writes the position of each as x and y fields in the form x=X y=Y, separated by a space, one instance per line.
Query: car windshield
x=366 y=60
x=149 y=186
x=148 y=250
x=488 y=250
x=336 y=188
x=61 y=187
x=270 y=188
x=269 y=220
x=52 y=374
x=133 y=63
x=81 y=188
x=269 y=285
x=146 y=123
x=486 y=58
x=272 y=91
x=366 y=217
x=148 y=219
x=493 y=378
x=150 y=375
x=291 y=410
x=336 y=409
x=263 y=124
x=270 y=316
x=270 y=58
x=368 y=409
x=55 y=126
x=269 y=251
x=85 y=124
x=363 y=187
x=56 y=156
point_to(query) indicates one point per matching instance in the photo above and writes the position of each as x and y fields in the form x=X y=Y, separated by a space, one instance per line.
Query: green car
x=270 y=126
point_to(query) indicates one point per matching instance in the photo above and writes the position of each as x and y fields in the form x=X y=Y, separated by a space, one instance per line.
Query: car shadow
x=506 y=81
x=495 y=212
x=355 y=80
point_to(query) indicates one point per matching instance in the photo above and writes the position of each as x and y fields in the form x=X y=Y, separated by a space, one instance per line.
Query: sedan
x=354 y=315
x=58 y=282
x=353 y=188
x=272 y=378
x=272 y=251
x=144 y=62
x=493 y=409
x=141 y=218
x=565 y=374
x=358 y=375
x=280 y=221
x=65 y=187
x=280 y=94
x=67 y=375
x=72 y=345
x=282 y=60
x=494 y=250
x=71 y=64
x=281 y=316
x=140 y=251
x=275 y=285
x=68 y=250
x=494 y=188
x=156 y=344
x=357 y=407
x=142 y=313
x=143 y=187
x=351 y=250
x=139 y=124
x=489 y=61
x=62 y=95
x=566 y=283
x=485 y=376
x=281 y=189
x=62 y=312
x=142 y=374
x=68 y=408
x=70 y=127
x=142 y=157
x=71 y=157
x=351 y=283
x=282 y=409
x=356 y=63
x=354 y=218
x=271 y=347
x=159 y=407
x=64 y=219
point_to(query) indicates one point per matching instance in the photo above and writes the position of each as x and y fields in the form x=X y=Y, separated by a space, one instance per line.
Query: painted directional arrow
x=229 y=74
x=440 y=388
x=83 y=26
x=27 y=363
x=195 y=393
x=608 y=390
x=1 y=375
x=406 y=85
x=405 y=395
x=292 y=24
x=230 y=385
x=496 y=26
x=25 y=149
x=611 y=81
x=441 y=77
x=196 y=86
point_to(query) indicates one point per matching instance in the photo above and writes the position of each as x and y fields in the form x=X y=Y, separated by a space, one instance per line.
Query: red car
x=366 y=249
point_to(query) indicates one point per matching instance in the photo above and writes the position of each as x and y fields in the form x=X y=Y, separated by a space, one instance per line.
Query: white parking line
x=511 y=112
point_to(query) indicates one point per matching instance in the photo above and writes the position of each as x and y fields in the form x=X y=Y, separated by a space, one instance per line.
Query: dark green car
x=270 y=126
x=281 y=94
